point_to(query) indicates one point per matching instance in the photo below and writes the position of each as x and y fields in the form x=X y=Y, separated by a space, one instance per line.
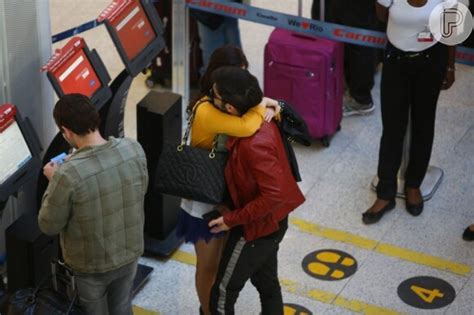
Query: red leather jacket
x=260 y=183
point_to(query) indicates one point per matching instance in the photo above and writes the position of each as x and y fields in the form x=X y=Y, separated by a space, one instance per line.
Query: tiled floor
x=336 y=182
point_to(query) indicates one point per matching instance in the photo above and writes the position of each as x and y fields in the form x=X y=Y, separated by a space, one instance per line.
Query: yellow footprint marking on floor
x=319 y=269
x=338 y=274
x=347 y=262
x=328 y=257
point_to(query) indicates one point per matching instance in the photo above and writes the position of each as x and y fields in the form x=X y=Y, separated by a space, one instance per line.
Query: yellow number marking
x=425 y=294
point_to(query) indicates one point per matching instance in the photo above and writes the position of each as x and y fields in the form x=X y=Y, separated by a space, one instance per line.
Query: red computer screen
x=72 y=70
x=133 y=28
x=77 y=75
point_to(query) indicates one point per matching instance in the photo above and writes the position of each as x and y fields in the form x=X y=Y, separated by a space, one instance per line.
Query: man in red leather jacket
x=263 y=191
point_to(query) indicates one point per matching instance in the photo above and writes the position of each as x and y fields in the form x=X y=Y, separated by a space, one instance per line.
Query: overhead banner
x=302 y=25
x=346 y=34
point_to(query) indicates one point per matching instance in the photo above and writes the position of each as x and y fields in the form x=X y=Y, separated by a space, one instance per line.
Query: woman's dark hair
x=227 y=55
x=76 y=112
x=237 y=87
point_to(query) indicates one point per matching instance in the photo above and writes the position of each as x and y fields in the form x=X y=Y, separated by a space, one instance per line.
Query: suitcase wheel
x=338 y=128
x=325 y=141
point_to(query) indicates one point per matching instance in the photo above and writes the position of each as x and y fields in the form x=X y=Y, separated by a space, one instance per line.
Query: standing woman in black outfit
x=415 y=70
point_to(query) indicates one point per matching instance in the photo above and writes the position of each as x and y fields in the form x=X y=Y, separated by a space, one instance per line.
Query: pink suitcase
x=307 y=72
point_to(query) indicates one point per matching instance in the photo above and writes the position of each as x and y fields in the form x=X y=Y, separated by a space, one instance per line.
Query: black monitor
x=76 y=69
x=19 y=151
x=136 y=31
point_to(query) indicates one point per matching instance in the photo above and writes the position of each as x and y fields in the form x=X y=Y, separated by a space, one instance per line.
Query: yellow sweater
x=210 y=121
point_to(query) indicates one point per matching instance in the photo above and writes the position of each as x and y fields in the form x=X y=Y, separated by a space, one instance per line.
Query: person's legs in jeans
x=120 y=289
x=231 y=32
x=210 y=41
x=106 y=293
x=227 y=33
x=92 y=293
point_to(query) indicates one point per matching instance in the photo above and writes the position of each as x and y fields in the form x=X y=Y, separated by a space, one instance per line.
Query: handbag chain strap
x=185 y=138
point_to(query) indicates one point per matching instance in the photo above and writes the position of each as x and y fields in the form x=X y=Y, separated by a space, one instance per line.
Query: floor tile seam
x=382 y=248
x=457 y=294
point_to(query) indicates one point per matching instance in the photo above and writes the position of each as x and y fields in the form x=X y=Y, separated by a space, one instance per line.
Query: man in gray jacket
x=95 y=202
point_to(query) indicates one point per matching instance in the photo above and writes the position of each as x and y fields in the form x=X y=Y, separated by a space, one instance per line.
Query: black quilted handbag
x=190 y=172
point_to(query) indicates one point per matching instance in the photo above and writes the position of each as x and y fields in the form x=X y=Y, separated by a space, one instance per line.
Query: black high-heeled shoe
x=414 y=209
x=468 y=235
x=374 y=217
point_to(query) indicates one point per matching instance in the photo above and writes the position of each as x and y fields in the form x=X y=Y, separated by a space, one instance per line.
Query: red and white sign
x=7 y=116
x=130 y=22
x=72 y=69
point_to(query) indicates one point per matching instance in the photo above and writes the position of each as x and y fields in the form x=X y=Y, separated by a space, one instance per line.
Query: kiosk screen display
x=133 y=28
x=77 y=75
x=14 y=152
x=71 y=70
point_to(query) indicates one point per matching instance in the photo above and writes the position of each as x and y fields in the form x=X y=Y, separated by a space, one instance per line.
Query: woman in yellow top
x=210 y=121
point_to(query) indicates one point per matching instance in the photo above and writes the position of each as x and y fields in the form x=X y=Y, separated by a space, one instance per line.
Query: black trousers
x=410 y=84
x=255 y=260
x=359 y=61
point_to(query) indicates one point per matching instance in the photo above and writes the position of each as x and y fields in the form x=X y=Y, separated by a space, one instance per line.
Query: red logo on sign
x=305 y=25
x=218 y=7
x=360 y=37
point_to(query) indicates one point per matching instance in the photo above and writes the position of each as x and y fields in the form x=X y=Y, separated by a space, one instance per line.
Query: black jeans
x=255 y=260
x=410 y=84
x=359 y=61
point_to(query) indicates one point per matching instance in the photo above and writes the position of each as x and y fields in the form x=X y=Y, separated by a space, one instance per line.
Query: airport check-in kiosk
x=28 y=250
x=136 y=30
x=76 y=69
x=19 y=151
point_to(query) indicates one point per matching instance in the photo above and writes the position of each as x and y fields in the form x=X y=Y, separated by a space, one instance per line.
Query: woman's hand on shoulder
x=272 y=108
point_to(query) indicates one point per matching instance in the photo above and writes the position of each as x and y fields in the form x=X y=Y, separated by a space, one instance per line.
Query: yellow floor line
x=184 y=257
x=317 y=295
x=141 y=311
x=382 y=248
x=355 y=306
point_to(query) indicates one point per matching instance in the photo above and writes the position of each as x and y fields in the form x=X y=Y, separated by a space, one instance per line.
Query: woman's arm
x=450 y=69
x=381 y=12
x=219 y=122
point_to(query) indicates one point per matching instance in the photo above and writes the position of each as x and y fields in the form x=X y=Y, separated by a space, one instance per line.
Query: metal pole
x=322 y=10
x=180 y=53
x=300 y=7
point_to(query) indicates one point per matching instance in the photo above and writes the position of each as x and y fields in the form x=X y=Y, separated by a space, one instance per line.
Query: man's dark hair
x=237 y=87
x=76 y=112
